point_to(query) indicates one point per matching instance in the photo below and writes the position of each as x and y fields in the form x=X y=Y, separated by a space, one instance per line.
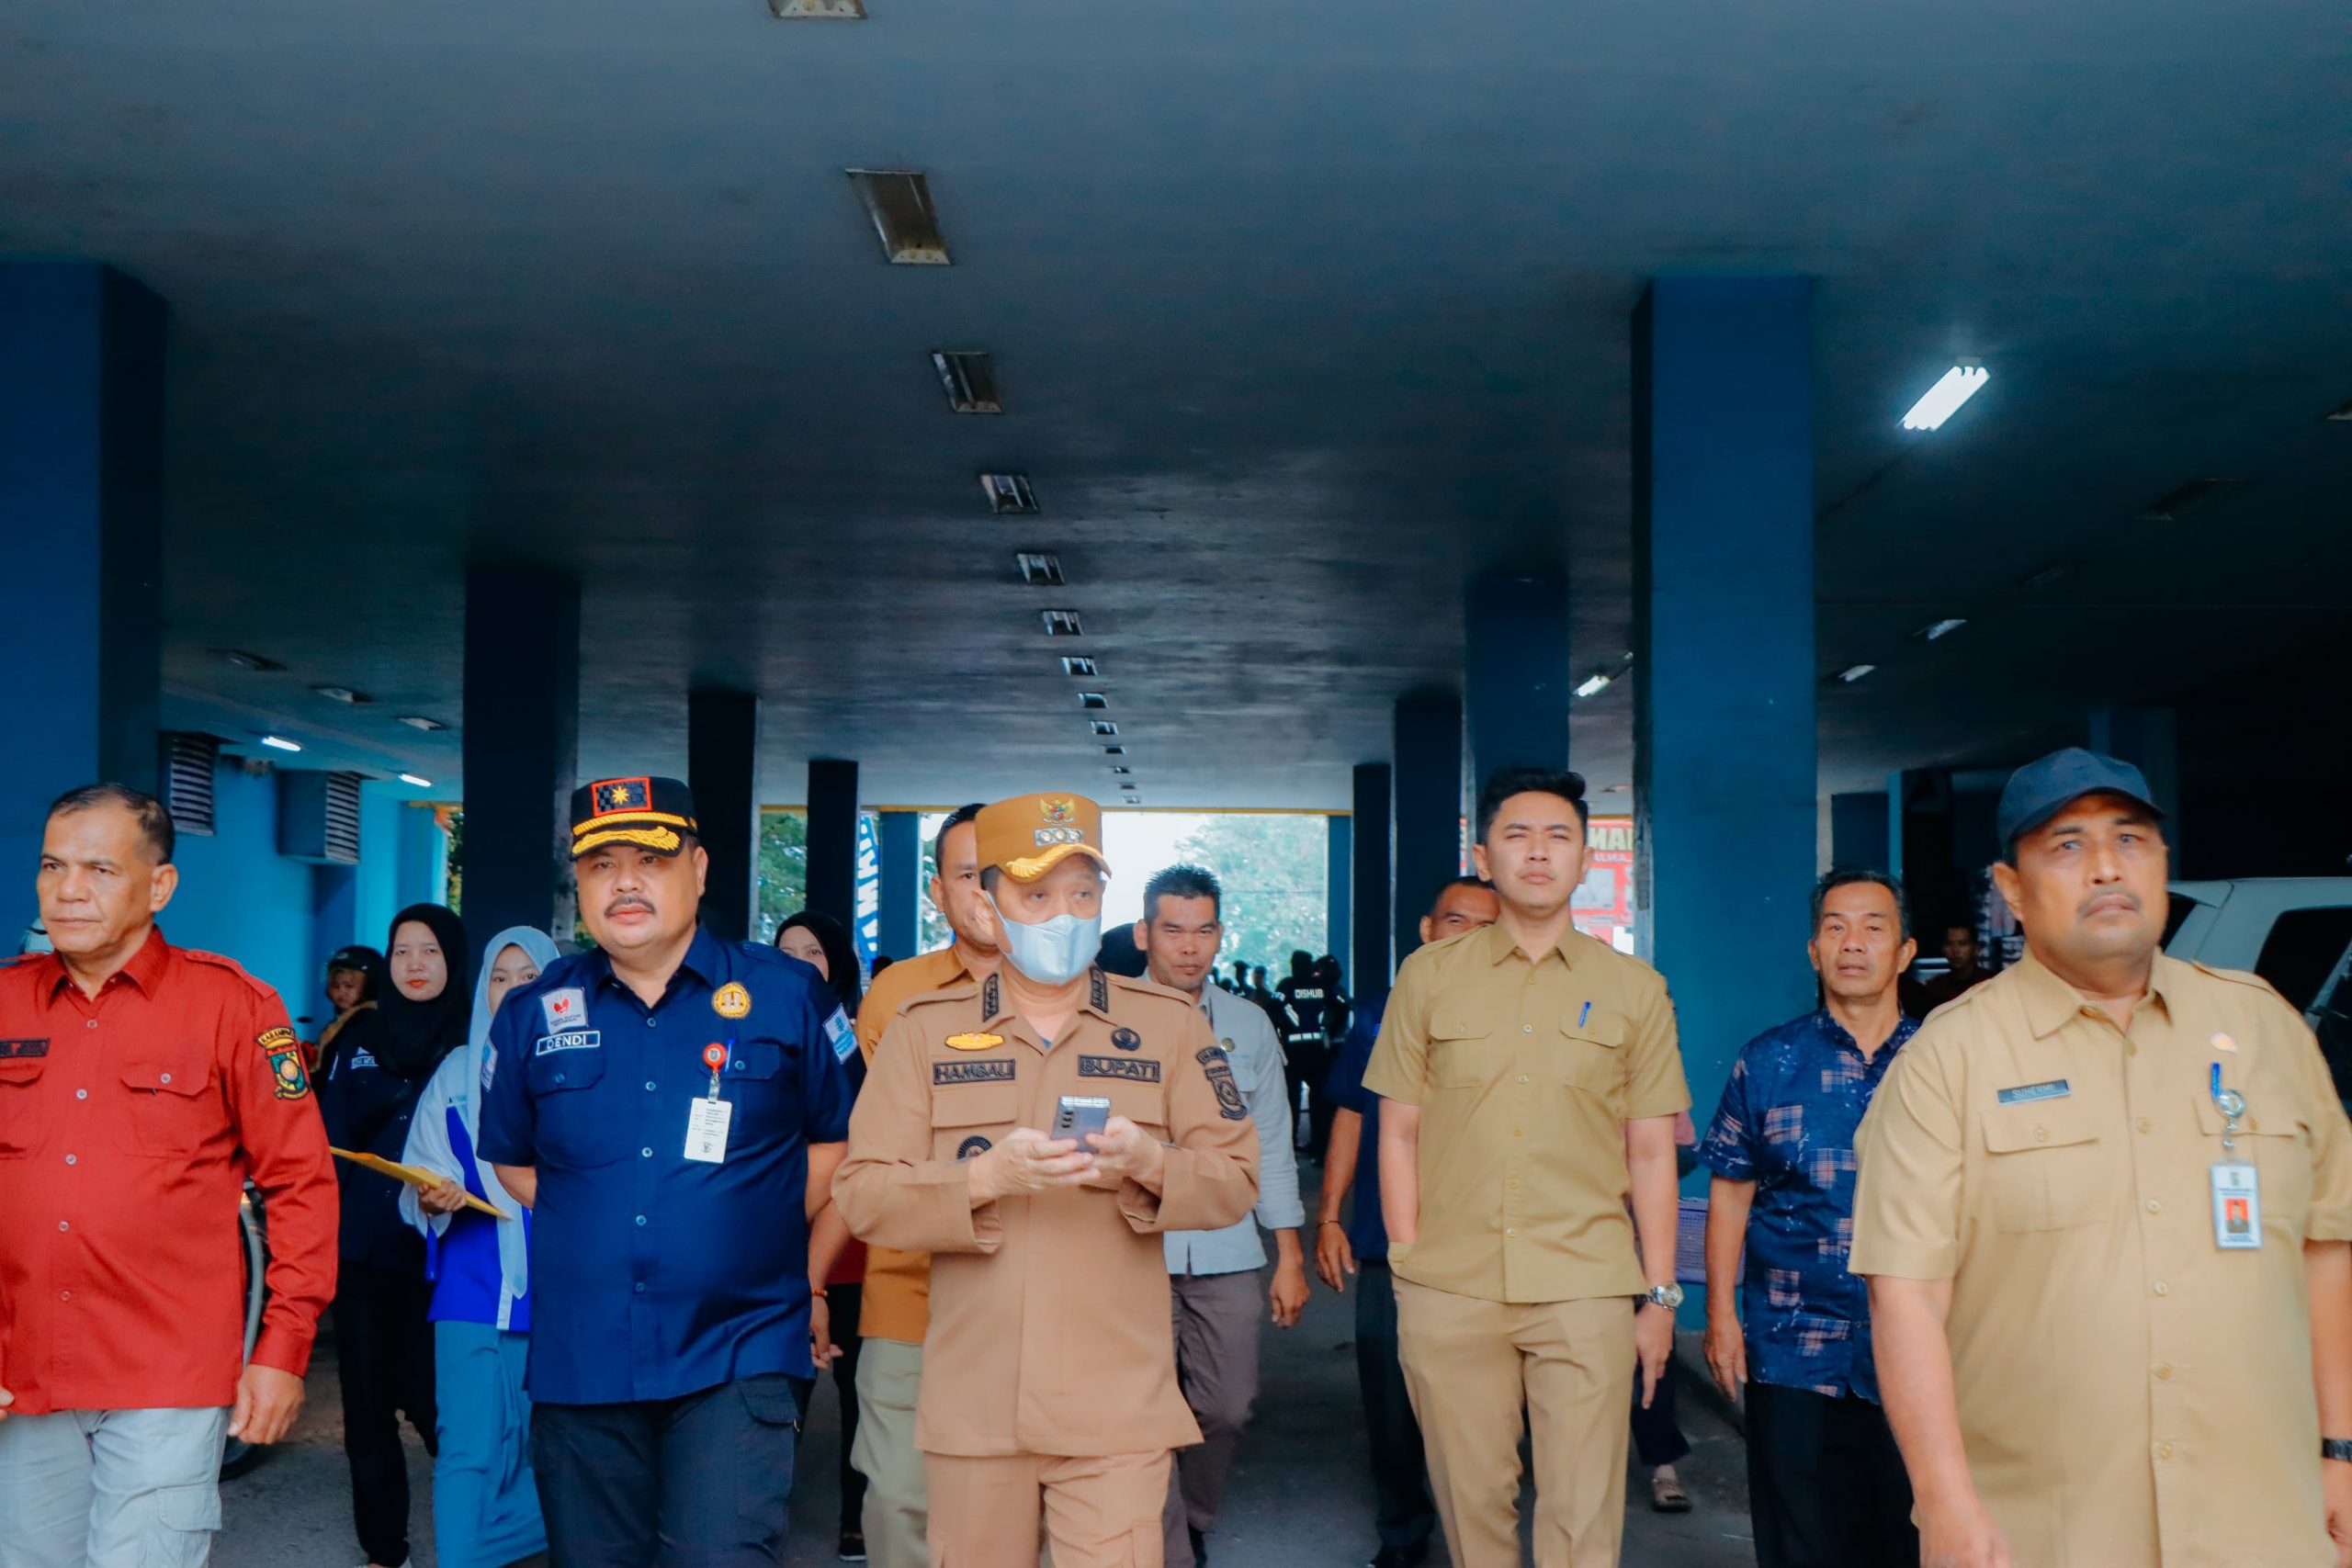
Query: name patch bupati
x=1229 y=1103
x=11 y=1050
x=2056 y=1088
x=578 y=1040
x=1135 y=1069
x=945 y=1073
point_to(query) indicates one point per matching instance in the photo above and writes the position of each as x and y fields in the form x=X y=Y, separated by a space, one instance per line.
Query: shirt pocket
x=1592 y=1053
x=20 y=1105
x=755 y=1080
x=1464 y=1051
x=2046 y=1170
x=171 y=1114
x=2274 y=1138
x=571 y=1126
x=966 y=1118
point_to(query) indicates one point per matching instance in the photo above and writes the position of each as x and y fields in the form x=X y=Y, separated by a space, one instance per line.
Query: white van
x=2295 y=931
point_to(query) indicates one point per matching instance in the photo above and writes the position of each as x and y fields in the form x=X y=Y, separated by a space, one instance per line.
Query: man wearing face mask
x=1049 y=1383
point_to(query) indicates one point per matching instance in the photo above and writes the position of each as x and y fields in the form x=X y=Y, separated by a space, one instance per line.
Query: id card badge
x=706 y=1130
x=2237 y=1206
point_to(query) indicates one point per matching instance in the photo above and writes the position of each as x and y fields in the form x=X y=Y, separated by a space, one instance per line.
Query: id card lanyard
x=2237 y=1186
x=707 y=1120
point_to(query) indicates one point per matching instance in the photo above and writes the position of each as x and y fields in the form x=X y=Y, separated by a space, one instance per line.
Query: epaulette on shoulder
x=217 y=961
x=960 y=991
x=1145 y=987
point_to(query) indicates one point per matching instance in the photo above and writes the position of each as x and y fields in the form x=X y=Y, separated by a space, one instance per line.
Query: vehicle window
x=2304 y=950
x=2175 y=917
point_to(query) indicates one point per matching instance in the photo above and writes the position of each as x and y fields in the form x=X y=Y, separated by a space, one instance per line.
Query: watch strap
x=2335 y=1448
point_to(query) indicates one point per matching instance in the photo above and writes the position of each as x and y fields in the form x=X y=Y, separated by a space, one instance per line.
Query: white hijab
x=514 y=1256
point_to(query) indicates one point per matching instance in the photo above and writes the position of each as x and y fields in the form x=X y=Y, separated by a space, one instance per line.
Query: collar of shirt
x=705 y=960
x=1837 y=1036
x=145 y=969
x=1501 y=944
x=2050 y=1002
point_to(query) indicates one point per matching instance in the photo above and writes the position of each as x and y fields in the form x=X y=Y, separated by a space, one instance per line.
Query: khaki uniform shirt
x=1049 y=1326
x=896 y=1304
x=1526 y=1071
x=2129 y=1392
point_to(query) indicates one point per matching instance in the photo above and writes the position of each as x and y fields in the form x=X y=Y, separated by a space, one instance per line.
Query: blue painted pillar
x=832 y=839
x=723 y=770
x=1427 y=741
x=1370 y=955
x=522 y=747
x=902 y=878
x=1515 y=673
x=1724 y=747
x=1338 y=850
x=80 y=508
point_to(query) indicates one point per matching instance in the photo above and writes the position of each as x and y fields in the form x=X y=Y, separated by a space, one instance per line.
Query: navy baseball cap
x=2042 y=788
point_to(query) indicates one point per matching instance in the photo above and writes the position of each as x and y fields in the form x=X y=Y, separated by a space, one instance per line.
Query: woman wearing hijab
x=375 y=1072
x=819 y=941
x=485 y=1504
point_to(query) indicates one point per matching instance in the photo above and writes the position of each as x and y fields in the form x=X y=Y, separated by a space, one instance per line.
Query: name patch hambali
x=2056 y=1088
x=1135 y=1069
x=578 y=1040
x=945 y=1073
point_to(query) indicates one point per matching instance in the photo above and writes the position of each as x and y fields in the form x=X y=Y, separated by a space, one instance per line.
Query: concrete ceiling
x=1303 y=314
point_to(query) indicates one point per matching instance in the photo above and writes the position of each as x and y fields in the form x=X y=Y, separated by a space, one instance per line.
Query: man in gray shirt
x=1213 y=1275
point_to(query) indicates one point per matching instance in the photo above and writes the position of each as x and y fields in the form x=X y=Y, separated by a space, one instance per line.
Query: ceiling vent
x=1093 y=700
x=818 y=10
x=899 y=200
x=1063 y=623
x=1104 y=727
x=318 y=817
x=2178 y=503
x=1039 y=569
x=188 y=765
x=971 y=385
x=1009 y=494
x=1077 y=664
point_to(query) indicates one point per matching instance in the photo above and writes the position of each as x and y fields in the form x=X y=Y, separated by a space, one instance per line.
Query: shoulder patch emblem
x=974 y=1145
x=731 y=1000
x=1126 y=1040
x=977 y=1041
x=1229 y=1103
x=289 y=1079
x=1134 y=1070
x=946 y=1073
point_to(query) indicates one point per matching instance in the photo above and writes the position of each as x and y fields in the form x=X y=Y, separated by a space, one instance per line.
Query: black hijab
x=414 y=1036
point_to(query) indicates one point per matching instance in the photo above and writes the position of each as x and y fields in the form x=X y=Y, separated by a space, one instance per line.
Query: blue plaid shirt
x=1787 y=1123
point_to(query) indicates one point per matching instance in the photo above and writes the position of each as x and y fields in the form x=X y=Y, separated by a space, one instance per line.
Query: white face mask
x=1053 y=952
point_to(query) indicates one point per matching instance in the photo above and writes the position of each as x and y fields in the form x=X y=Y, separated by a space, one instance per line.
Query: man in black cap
x=670 y=1108
x=2105 y=1208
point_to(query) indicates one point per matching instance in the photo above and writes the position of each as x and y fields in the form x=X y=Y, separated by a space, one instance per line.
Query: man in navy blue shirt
x=1825 y=1483
x=1407 y=1514
x=672 y=1111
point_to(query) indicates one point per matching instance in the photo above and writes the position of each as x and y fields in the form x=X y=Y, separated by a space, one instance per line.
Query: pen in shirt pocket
x=1585 y=1017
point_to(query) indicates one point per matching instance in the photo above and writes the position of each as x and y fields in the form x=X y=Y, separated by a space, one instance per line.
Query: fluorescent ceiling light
x=412 y=779
x=1943 y=399
x=1074 y=664
x=1853 y=672
x=1009 y=494
x=1594 y=684
x=418 y=721
x=343 y=695
x=1943 y=628
x=899 y=200
x=243 y=660
x=281 y=743
x=1063 y=623
x=848 y=10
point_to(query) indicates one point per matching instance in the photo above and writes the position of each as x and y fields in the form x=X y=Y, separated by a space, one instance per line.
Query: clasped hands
x=1026 y=1160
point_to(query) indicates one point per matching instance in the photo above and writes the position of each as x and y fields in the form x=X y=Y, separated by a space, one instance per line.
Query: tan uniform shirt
x=897 y=1299
x=1050 y=1325
x=2127 y=1390
x=1526 y=1071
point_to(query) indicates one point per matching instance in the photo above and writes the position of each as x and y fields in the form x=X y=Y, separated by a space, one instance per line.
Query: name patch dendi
x=1134 y=1070
x=19 y=1049
x=581 y=1039
x=1229 y=1103
x=2056 y=1088
x=944 y=1073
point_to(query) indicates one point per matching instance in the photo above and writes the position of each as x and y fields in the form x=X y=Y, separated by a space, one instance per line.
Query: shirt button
x=2144 y=1124
x=2041 y=1134
x=71 y=1160
x=166 y=1077
x=2163 y=1372
x=2130 y=1048
x=1526 y=1028
x=81 y=1094
x=1514 y=1132
x=63 y=1226
x=640 y=1219
x=89 y=1023
x=2163 y=1451
x=649 y=1086
x=65 y=1295
x=2154 y=1207
x=2160 y=1288
x=1522 y=1077
x=1511 y=1233
x=645 y=1154
x=652 y=1021
x=640 y=1286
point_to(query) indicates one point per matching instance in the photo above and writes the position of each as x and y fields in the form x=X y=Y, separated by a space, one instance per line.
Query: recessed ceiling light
x=1093 y=700
x=843 y=10
x=1039 y=569
x=1594 y=684
x=899 y=200
x=243 y=660
x=1077 y=664
x=1942 y=628
x=280 y=743
x=1943 y=399
x=1104 y=727
x=418 y=721
x=2176 y=503
x=1009 y=494
x=970 y=383
x=1114 y=750
x=1615 y=789
x=1853 y=672
x=1116 y=769
x=2046 y=575
x=2342 y=415
x=343 y=695
x=1063 y=623
x=412 y=779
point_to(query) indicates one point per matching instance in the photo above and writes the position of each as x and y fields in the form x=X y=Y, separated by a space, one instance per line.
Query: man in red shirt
x=140 y=1084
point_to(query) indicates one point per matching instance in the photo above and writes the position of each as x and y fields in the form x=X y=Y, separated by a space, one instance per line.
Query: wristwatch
x=1666 y=1296
x=2335 y=1448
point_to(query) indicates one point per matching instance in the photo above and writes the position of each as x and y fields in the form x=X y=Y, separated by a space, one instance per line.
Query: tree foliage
x=1274 y=870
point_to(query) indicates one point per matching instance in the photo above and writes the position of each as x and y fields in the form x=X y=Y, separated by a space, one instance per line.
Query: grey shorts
x=110 y=1488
